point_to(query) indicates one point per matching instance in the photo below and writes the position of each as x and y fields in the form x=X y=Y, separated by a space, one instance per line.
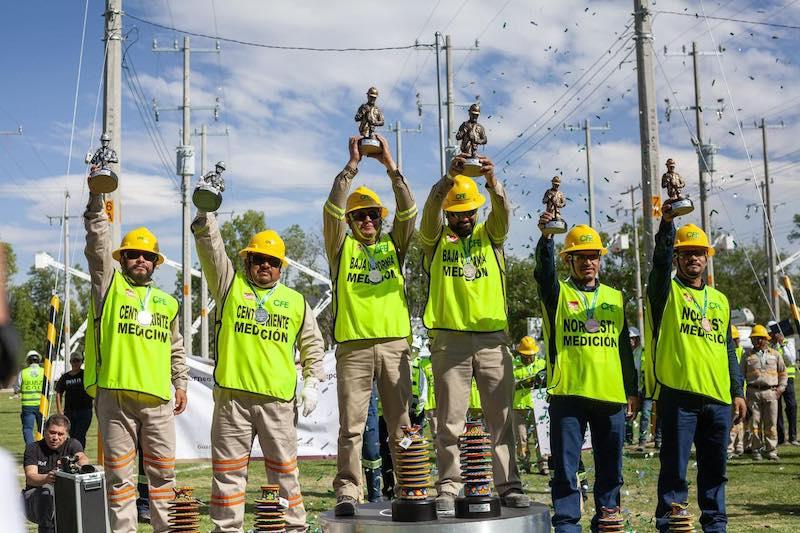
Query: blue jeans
x=80 y=420
x=371 y=449
x=569 y=416
x=644 y=420
x=688 y=418
x=31 y=420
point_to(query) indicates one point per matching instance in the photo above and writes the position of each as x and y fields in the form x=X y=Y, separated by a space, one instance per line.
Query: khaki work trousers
x=456 y=357
x=430 y=415
x=736 y=442
x=357 y=364
x=763 y=407
x=238 y=418
x=127 y=420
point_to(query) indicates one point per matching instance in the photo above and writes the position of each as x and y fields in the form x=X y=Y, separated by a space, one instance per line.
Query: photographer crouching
x=57 y=450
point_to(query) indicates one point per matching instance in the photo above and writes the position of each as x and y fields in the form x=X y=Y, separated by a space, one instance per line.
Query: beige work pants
x=357 y=364
x=125 y=420
x=238 y=418
x=430 y=415
x=736 y=442
x=521 y=434
x=456 y=357
x=763 y=406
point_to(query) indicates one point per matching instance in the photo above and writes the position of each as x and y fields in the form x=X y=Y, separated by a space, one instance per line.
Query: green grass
x=760 y=495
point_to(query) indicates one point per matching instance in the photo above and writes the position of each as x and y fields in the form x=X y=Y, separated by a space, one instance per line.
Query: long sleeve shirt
x=658 y=289
x=101 y=270
x=764 y=369
x=549 y=289
x=220 y=273
x=497 y=223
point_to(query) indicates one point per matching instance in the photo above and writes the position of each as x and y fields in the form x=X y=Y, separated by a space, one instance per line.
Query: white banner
x=541 y=412
x=316 y=434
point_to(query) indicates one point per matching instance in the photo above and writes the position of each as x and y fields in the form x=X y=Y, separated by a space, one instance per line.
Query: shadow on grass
x=784 y=509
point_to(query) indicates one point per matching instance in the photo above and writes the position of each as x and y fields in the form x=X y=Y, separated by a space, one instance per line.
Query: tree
x=795 y=233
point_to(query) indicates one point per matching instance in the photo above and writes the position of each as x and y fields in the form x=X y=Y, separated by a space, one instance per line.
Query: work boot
x=445 y=503
x=143 y=515
x=640 y=447
x=515 y=498
x=773 y=456
x=543 y=469
x=794 y=442
x=757 y=456
x=345 y=506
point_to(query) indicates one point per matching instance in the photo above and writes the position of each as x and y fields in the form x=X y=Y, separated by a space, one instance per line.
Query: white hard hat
x=633 y=331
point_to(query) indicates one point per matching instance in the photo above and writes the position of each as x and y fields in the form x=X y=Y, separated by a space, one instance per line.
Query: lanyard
x=589 y=309
x=703 y=309
x=467 y=249
x=370 y=256
x=142 y=303
x=261 y=301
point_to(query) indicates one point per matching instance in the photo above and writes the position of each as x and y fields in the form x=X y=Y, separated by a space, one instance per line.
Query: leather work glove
x=309 y=396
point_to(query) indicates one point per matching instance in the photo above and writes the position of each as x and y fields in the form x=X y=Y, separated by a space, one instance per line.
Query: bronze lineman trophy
x=471 y=134
x=554 y=201
x=673 y=182
x=207 y=195
x=102 y=179
x=369 y=117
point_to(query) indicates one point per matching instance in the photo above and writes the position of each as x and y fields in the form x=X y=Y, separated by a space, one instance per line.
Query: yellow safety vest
x=253 y=357
x=367 y=310
x=523 y=397
x=684 y=356
x=121 y=353
x=456 y=303
x=32 y=378
x=474 y=396
x=586 y=364
x=739 y=354
x=427 y=369
x=791 y=370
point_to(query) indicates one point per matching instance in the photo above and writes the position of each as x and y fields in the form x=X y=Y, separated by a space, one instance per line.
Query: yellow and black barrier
x=50 y=350
x=787 y=284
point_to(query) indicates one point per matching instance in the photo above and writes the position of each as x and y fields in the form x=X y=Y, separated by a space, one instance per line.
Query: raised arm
x=334 y=226
x=217 y=266
x=98 y=248
x=497 y=223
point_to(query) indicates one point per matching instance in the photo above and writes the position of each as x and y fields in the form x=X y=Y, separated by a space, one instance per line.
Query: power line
x=727 y=19
x=277 y=46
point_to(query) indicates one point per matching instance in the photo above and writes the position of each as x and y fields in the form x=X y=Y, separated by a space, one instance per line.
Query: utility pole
x=186 y=170
x=67 y=331
x=648 y=114
x=442 y=167
x=587 y=128
x=18 y=131
x=705 y=152
x=639 y=296
x=398 y=140
x=769 y=234
x=112 y=102
x=203 y=133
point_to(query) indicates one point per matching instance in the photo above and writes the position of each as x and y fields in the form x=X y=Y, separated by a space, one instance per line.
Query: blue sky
x=290 y=112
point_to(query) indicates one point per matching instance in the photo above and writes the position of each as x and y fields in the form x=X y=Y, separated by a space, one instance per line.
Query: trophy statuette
x=101 y=178
x=207 y=195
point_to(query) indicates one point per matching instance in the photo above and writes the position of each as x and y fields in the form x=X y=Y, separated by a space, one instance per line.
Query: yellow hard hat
x=364 y=198
x=527 y=346
x=734 y=332
x=759 y=331
x=266 y=242
x=690 y=236
x=583 y=238
x=463 y=196
x=141 y=239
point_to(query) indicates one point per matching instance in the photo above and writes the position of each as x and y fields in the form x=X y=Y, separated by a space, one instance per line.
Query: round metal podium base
x=377 y=517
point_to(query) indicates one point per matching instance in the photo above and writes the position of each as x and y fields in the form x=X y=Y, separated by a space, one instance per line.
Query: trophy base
x=477 y=506
x=103 y=181
x=680 y=207
x=368 y=145
x=554 y=227
x=472 y=167
x=414 y=510
x=206 y=199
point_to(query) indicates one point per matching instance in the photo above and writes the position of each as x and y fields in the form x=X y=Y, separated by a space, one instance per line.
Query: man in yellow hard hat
x=691 y=371
x=371 y=320
x=29 y=387
x=134 y=360
x=466 y=309
x=591 y=374
x=765 y=375
x=527 y=368
x=785 y=347
x=259 y=322
x=736 y=444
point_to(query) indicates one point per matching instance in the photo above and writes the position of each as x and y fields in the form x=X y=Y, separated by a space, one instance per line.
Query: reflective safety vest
x=739 y=354
x=253 y=357
x=427 y=369
x=523 y=397
x=121 y=353
x=31 y=378
x=367 y=310
x=791 y=368
x=416 y=374
x=456 y=303
x=474 y=396
x=684 y=356
x=586 y=364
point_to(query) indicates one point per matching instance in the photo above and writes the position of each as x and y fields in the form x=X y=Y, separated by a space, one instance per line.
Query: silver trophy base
x=103 y=181
x=554 y=227
x=680 y=207
x=368 y=145
x=207 y=199
x=472 y=167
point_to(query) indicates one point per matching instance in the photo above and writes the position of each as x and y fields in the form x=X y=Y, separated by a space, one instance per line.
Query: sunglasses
x=686 y=254
x=587 y=257
x=132 y=255
x=258 y=260
x=461 y=214
x=361 y=216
